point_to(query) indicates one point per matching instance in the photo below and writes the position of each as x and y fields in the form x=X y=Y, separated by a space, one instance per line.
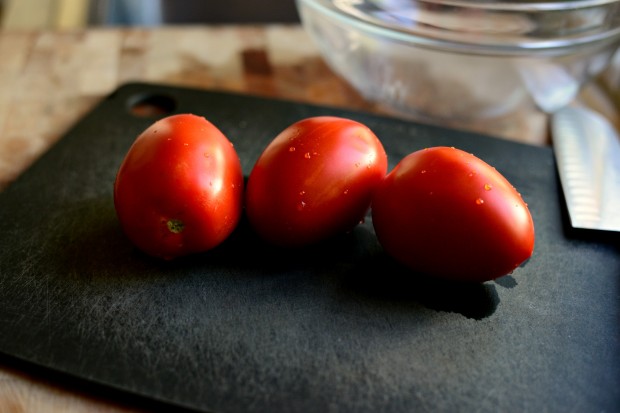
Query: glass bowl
x=462 y=59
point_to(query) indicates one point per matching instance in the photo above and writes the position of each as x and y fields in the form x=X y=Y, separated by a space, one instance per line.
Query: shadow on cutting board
x=353 y=265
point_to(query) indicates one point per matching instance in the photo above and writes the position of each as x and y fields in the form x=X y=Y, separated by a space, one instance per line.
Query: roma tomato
x=314 y=181
x=179 y=189
x=444 y=212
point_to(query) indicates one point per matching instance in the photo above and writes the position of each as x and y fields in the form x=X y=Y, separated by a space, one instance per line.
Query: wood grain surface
x=49 y=79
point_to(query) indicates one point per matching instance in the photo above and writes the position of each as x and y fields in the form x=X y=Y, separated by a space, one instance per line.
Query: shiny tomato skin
x=314 y=181
x=446 y=213
x=179 y=189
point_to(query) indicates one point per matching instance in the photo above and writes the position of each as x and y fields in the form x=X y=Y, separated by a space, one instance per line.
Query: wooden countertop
x=49 y=79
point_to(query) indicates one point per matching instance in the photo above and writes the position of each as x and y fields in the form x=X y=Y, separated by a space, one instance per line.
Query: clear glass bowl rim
x=523 y=5
x=551 y=47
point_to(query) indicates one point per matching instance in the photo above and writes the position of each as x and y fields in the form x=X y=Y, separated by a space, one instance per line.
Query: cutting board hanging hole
x=151 y=105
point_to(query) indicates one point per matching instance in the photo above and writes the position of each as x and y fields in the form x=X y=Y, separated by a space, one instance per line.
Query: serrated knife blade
x=587 y=152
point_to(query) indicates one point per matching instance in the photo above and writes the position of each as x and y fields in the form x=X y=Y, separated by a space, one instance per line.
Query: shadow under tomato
x=245 y=251
x=390 y=281
x=353 y=265
x=357 y=267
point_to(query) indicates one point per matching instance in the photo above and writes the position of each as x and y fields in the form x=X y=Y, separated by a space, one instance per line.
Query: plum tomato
x=314 y=181
x=179 y=189
x=446 y=213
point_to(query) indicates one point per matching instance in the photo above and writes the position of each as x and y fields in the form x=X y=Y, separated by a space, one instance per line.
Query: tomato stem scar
x=175 y=225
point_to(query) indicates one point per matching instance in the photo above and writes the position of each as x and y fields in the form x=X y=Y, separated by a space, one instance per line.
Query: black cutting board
x=337 y=327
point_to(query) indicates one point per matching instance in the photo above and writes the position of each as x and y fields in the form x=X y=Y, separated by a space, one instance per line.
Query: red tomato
x=179 y=189
x=314 y=181
x=444 y=212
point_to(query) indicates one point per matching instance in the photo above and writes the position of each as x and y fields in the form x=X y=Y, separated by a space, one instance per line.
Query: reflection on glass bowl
x=461 y=59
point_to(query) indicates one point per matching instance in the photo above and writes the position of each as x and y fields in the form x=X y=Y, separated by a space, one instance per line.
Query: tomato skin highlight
x=314 y=181
x=179 y=189
x=445 y=213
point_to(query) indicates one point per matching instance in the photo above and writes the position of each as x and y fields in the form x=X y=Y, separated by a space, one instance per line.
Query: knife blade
x=587 y=152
